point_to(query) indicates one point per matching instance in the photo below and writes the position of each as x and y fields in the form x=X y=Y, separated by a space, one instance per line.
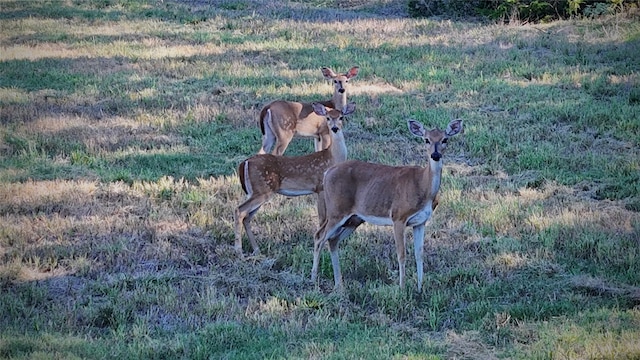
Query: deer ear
x=454 y=127
x=349 y=109
x=353 y=72
x=416 y=128
x=319 y=109
x=328 y=73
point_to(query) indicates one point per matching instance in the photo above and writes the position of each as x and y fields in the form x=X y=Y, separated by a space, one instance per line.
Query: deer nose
x=341 y=91
x=335 y=129
x=436 y=156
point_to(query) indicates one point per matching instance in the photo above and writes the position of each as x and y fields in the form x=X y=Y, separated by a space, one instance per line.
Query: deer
x=280 y=120
x=356 y=192
x=263 y=175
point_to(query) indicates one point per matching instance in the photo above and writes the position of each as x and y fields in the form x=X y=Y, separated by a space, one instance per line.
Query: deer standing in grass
x=263 y=175
x=281 y=120
x=356 y=192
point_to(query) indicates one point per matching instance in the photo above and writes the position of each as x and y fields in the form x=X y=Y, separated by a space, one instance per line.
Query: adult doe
x=356 y=192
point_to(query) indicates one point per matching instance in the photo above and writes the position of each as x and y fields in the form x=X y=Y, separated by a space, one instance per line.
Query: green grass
x=122 y=123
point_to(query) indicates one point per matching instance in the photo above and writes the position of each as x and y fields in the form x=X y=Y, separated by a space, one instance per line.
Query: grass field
x=122 y=123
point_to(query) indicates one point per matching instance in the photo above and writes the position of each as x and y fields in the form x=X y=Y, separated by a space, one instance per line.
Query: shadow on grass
x=51 y=345
x=103 y=10
x=188 y=12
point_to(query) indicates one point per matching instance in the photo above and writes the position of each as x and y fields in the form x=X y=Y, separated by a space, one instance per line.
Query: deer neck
x=432 y=176
x=339 y=100
x=338 y=148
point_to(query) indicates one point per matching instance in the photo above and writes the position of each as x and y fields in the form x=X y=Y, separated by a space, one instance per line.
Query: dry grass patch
x=34 y=197
x=469 y=345
x=599 y=286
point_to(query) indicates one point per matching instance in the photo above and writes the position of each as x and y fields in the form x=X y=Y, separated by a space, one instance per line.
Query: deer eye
x=444 y=141
x=426 y=141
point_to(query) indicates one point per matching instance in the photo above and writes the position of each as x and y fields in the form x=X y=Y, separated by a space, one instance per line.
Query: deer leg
x=326 y=231
x=418 y=250
x=244 y=214
x=317 y=143
x=343 y=233
x=280 y=134
x=339 y=230
x=398 y=234
x=247 y=229
x=239 y=218
x=323 y=141
x=268 y=138
x=318 y=243
x=335 y=261
x=282 y=141
x=322 y=209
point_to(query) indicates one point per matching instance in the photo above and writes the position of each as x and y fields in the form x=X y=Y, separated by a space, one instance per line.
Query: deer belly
x=421 y=216
x=376 y=220
x=294 y=192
